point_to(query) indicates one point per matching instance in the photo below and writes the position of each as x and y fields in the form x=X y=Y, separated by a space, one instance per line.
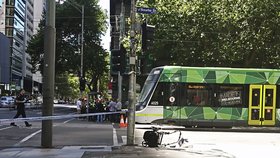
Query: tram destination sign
x=146 y=10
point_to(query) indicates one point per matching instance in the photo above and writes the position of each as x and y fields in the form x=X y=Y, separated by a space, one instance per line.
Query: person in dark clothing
x=20 y=100
x=100 y=109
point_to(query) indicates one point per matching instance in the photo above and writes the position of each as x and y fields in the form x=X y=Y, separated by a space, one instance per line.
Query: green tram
x=210 y=97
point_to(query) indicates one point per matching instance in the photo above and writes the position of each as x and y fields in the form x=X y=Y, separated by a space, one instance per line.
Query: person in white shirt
x=79 y=105
x=112 y=108
x=119 y=106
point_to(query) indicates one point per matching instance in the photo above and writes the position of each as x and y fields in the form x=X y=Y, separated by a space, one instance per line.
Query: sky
x=105 y=5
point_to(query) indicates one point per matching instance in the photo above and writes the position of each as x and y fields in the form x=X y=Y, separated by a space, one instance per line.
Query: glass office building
x=19 y=29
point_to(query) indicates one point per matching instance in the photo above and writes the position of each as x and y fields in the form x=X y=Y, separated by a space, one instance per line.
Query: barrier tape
x=41 y=118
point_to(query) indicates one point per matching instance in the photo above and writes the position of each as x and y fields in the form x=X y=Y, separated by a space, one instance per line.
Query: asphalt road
x=73 y=132
x=66 y=132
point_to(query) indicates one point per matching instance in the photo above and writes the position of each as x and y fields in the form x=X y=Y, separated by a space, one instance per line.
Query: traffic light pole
x=119 y=86
x=48 y=76
x=132 y=78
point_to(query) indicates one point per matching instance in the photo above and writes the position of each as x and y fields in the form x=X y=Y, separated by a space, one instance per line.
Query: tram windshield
x=148 y=88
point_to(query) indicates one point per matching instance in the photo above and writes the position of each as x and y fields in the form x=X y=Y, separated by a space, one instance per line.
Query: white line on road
x=124 y=139
x=33 y=134
x=27 y=138
x=68 y=120
x=115 y=137
x=5 y=128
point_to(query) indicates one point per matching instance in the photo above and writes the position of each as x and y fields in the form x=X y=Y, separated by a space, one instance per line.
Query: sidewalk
x=64 y=152
x=91 y=152
x=197 y=151
x=141 y=152
x=110 y=152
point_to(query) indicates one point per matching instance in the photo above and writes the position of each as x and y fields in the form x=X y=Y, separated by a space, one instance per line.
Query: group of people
x=100 y=106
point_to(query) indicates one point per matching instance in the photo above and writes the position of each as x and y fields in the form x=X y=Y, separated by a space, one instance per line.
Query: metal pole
x=132 y=79
x=82 y=41
x=122 y=21
x=48 y=76
x=119 y=86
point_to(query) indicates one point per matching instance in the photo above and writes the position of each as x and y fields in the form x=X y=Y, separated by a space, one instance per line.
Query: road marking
x=124 y=139
x=68 y=121
x=5 y=128
x=115 y=137
x=27 y=138
x=33 y=134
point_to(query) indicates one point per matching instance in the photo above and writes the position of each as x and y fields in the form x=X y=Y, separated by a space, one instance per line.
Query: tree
x=216 y=33
x=67 y=86
x=36 y=48
x=68 y=33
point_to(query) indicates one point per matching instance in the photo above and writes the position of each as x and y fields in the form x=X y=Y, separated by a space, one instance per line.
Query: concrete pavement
x=189 y=150
x=65 y=152
x=111 y=152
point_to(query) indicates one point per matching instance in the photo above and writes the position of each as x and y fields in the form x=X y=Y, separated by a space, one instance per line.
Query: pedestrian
x=112 y=108
x=118 y=108
x=79 y=105
x=20 y=100
x=100 y=109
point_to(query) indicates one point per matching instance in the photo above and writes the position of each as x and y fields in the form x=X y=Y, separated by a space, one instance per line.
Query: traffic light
x=118 y=60
x=147 y=35
x=146 y=63
x=115 y=85
x=82 y=84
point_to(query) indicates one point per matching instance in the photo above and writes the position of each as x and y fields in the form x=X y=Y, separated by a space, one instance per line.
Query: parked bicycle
x=154 y=138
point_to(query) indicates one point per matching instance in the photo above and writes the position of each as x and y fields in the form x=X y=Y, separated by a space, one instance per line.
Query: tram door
x=262 y=104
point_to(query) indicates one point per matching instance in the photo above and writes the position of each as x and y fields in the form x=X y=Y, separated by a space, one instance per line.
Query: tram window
x=158 y=95
x=167 y=94
x=198 y=95
x=255 y=97
x=269 y=97
x=172 y=93
x=278 y=97
x=230 y=95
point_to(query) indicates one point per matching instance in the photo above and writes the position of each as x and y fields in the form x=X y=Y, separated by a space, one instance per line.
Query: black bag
x=151 y=138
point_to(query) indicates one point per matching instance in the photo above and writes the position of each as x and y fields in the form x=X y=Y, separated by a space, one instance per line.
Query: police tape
x=56 y=117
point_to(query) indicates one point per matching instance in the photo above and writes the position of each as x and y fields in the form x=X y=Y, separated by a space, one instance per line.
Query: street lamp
x=81 y=9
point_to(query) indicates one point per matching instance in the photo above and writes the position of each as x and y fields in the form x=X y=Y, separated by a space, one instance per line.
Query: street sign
x=146 y=10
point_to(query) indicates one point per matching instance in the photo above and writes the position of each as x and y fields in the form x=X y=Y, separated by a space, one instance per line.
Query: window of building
x=9 y=32
x=10 y=11
x=10 y=2
x=9 y=22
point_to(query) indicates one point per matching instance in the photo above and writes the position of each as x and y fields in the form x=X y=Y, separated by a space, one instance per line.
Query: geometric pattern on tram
x=205 y=113
x=220 y=75
x=216 y=75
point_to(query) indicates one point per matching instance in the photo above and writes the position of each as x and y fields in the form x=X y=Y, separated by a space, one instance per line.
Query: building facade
x=39 y=8
x=17 y=23
x=4 y=61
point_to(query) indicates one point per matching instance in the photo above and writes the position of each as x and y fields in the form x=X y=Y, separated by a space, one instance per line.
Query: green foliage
x=67 y=86
x=230 y=33
x=68 y=33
